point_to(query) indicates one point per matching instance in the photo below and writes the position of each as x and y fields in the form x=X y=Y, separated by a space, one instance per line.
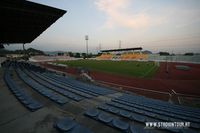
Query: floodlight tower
x=120 y=42
x=86 y=39
x=99 y=47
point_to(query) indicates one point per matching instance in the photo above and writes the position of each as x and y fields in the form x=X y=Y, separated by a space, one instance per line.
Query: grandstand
x=95 y=106
x=123 y=54
x=34 y=99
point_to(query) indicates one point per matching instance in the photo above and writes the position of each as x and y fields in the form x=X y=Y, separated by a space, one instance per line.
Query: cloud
x=118 y=14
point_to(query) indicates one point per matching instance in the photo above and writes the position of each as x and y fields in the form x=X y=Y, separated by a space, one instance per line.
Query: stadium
x=119 y=90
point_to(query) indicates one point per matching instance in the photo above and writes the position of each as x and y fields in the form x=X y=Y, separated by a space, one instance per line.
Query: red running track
x=184 y=82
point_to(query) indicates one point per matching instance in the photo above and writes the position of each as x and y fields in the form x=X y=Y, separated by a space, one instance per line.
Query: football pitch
x=127 y=68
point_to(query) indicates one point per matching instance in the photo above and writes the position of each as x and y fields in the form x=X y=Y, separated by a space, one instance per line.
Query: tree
x=90 y=55
x=83 y=55
x=77 y=55
x=189 y=54
x=70 y=54
x=163 y=53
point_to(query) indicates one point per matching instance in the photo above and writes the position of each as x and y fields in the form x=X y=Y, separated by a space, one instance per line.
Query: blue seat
x=113 y=110
x=65 y=124
x=189 y=131
x=92 y=112
x=27 y=101
x=80 y=129
x=128 y=108
x=105 y=118
x=195 y=125
x=138 y=117
x=120 y=124
x=70 y=96
x=174 y=130
x=34 y=106
x=124 y=113
x=78 y=98
x=137 y=129
x=151 y=114
x=62 y=101
x=18 y=94
x=119 y=105
x=54 y=87
x=103 y=107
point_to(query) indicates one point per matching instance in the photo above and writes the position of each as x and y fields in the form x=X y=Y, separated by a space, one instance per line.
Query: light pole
x=120 y=42
x=86 y=39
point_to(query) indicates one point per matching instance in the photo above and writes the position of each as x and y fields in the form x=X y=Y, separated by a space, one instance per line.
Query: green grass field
x=128 y=68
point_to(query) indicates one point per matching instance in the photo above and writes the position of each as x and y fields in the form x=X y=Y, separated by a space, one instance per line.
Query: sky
x=155 y=25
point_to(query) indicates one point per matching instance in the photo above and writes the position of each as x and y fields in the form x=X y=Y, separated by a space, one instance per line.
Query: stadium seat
x=34 y=105
x=137 y=117
x=153 y=108
x=105 y=118
x=103 y=107
x=125 y=113
x=113 y=110
x=120 y=124
x=81 y=129
x=65 y=124
x=92 y=112
x=137 y=129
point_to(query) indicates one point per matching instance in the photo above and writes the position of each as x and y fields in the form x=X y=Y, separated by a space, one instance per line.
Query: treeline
x=168 y=54
x=29 y=51
x=81 y=55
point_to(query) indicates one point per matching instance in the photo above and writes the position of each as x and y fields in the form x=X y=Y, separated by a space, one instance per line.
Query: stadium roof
x=23 y=21
x=125 y=49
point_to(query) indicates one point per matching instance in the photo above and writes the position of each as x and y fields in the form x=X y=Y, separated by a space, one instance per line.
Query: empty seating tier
x=54 y=88
x=95 y=90
x=56 y=97
x=21 y=94
x=115 y=122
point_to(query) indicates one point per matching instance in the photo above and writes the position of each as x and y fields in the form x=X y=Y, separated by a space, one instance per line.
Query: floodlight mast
x=120 y=42
x=86 y=39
